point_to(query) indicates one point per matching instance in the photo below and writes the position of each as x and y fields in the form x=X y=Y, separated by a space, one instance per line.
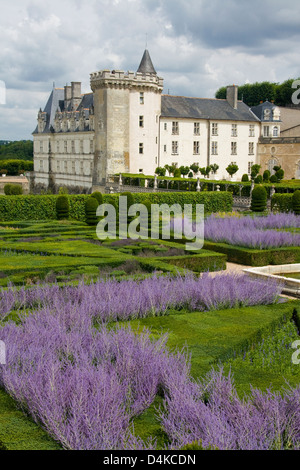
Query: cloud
x=196 y=46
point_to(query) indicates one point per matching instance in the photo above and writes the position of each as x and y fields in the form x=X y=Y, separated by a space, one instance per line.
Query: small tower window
x=141 y=121
x=142 y=98
x=141 y=148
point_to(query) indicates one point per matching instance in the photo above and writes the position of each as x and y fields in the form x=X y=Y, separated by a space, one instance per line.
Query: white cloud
x=196 y=46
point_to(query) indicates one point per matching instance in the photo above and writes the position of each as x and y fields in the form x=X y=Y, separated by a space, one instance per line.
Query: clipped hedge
x=43 y=207
x=282 y=203
x=254 y=257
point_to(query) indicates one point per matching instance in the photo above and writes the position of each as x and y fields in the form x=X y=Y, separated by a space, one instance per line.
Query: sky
x=197 y=46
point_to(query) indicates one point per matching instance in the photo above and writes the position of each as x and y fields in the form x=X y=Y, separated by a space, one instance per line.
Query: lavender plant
x=113 y=300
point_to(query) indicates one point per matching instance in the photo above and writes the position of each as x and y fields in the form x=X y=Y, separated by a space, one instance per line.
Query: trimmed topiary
x=97 y=195
x=91 y=207
x=245 y=178
x=62 y=207
x=258 y=179
x=266 y=176
x=259 y=199
x=273 y=179
x=296 y=202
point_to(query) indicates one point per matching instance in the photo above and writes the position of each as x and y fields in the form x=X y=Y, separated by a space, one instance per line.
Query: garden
x=143 y=344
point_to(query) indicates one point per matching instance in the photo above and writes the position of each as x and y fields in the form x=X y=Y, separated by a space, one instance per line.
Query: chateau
x=127 y=125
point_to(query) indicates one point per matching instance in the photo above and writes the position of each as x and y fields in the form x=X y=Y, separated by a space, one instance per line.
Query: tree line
x=253 y=94
x=17 y=150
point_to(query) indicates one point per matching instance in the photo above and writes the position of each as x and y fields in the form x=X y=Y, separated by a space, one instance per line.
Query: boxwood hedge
x=43 y=207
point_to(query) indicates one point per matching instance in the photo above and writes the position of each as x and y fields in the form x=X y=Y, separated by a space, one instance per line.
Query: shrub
x=91 y=206
x=62 y=207
x=266 y=176
x=7 y=189
x=273 y=179
x=259 y=199
x=97 y=195
x=258 y=179
x=177 y=173
x=296 y=202
x=16 y=190
x=282 y=203
x=245 y=178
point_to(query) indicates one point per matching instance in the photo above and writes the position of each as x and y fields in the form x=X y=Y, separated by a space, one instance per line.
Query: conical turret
x=146 y=65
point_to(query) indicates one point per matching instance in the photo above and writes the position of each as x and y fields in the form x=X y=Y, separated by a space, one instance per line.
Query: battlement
x=121 y=79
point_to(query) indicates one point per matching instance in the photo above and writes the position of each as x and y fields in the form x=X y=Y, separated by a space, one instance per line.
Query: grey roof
x=146 y=65
x=203 y=108
x=259 y=111
x=56 y=103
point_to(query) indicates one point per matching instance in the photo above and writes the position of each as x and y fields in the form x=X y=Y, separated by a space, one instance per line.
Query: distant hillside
x=17 y=150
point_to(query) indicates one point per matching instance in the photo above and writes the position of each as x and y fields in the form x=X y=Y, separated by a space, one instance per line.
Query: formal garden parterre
x=133 y=344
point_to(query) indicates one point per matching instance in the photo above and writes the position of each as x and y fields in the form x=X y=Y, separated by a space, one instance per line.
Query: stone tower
x=127 y=110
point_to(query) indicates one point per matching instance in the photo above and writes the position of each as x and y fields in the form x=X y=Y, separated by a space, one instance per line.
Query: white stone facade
x=126 y=125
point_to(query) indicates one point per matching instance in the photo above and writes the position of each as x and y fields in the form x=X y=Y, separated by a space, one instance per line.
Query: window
x=251 y=148
x=142 y=100
x=165 y=148
x=196 y=128
x=165 y=126
x=141 y=121
x=196 y=147
x=267 y=113
x=81 y=146
x=66 y=146
x=57 y=147
x=251 y=130
x=66 y=167
x=214 y=148
x=175 y=128
x=266 y=131
x=214 y=129
x=275 y=131
x=73 y=146
x=273 y=162
x=73 y=167
x=58 y=166
x=41 y=165
x=141 y=148
x=250 y=164
x=141 y=170
x=174 y=148
x=233 y=148
x=234 y=130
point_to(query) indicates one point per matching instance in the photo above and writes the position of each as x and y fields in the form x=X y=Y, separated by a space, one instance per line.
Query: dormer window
x=267 y=113
x=276 y=114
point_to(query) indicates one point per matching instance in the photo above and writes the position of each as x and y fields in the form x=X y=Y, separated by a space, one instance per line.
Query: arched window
x=272 y=162
x=275 y=131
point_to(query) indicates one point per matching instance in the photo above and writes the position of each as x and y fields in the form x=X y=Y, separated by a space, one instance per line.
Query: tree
x=195 y=168
x=160 y=171
x=214 y=168
x=184 y=170
x=232 y=169
x=255 y=169
x=205 y=171
x=279 y=173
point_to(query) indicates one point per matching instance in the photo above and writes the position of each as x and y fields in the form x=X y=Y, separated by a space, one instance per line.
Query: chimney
x=68 y=96
x=76 y=94
x=232 y=96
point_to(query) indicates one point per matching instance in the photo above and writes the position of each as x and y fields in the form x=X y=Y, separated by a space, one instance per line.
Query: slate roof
x=56 y=103
x=260 y=110
x=203 y=108
x=146 y=65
